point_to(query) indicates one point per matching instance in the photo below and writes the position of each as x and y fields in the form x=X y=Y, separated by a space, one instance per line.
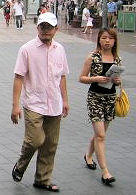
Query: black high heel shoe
x=92 y=166
x=108 y=181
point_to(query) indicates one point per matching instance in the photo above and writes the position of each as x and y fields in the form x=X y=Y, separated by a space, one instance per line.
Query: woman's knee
x=100 y=137
x=91 y=139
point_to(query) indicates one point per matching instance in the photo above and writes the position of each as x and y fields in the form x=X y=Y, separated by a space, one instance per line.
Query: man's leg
x=20 y=18
x=34 y=137
x=17 y=21
x=46 y=153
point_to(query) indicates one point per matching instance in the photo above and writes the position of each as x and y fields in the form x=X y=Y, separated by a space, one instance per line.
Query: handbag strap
x=121 y=88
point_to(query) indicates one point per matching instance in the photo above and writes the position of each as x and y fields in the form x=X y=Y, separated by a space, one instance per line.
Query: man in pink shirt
x=40 y=78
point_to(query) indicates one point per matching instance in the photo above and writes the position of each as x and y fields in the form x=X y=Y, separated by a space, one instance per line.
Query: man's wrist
x=15 y=105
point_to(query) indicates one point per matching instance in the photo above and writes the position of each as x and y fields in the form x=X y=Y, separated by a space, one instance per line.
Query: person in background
x=112 y=13
x=39 y=10
x=44 y=8
x=40 y=76
x=6 y=10
x=101 y=99
x=85 y=16
x=18 y=12
x=89 y=26
x=71 y=9
x=83 y=5
x=12 y=16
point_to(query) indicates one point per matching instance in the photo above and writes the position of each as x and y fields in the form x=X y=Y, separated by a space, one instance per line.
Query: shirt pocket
x=57 y=69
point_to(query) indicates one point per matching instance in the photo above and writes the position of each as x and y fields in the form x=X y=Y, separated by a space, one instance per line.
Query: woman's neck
x=107 y=56
x=106 y=52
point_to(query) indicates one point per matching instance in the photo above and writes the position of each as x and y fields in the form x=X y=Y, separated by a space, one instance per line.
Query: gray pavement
x=70 y=172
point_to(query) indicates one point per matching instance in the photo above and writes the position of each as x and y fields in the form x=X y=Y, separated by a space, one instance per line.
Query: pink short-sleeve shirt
x=42 y=68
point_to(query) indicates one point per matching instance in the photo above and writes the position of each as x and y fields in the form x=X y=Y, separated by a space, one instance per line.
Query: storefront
x=127 y=18
x=32 y=7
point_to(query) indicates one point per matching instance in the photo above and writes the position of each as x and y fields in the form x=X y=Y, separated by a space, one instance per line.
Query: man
x=71 y=9
x=40 y=74
x=18 y=12
x=112 y=13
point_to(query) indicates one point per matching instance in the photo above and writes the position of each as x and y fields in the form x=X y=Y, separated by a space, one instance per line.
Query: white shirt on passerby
x=85 y=14
x=18 y=8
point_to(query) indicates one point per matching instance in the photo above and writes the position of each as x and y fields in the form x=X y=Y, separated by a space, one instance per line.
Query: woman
x=7 y=12
x=101 y=99
x=85 y=16
x=89 y=26
x=71 y=9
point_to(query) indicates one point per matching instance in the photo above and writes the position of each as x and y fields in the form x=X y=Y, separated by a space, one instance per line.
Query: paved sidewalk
x=70 y=172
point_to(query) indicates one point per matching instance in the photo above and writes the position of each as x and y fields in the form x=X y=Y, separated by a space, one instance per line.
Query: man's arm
x=17 y=87
x=63 y=89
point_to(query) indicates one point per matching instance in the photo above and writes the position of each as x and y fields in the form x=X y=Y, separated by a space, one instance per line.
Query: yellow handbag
x=122 y=104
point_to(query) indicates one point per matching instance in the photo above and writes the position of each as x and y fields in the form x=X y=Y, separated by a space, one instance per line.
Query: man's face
x=46 y=32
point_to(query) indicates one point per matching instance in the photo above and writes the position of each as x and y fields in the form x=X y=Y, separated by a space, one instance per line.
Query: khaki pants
x=111 y=19
x=42 y=134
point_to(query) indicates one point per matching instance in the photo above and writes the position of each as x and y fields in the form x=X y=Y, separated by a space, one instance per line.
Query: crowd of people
x=13 y=10
x=87 y=12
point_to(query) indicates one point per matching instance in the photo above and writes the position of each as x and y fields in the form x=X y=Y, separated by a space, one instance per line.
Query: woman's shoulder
x=95 y=54
x=94 y=57
x=118 y=60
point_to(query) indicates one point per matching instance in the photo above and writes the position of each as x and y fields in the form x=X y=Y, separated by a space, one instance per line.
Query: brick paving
x=70 y=172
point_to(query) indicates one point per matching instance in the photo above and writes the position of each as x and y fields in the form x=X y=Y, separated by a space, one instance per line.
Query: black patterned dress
x=101 y=100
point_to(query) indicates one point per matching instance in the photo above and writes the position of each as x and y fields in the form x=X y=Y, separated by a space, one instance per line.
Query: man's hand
x=16 y=114
x=65 y=109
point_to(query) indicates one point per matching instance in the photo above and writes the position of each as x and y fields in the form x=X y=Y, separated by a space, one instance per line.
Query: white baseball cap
x=47 y=17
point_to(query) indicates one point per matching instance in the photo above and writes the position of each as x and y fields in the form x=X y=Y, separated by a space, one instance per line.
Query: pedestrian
x=6 y=10
x=85 y=16
x=89 y=25
x=71 y=9
x=44 y=8
x=40 y=75
x=112 y=13
x=12 y=16
x=18 y=12
x=39 y=10
x=101 y=99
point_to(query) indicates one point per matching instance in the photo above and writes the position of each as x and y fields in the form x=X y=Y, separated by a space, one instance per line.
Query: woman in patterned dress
x=101 y=99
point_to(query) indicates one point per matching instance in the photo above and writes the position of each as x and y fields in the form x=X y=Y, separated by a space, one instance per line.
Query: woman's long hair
x=113 y=33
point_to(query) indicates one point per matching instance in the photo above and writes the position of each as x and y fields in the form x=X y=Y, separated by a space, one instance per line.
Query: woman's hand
x=116 y=80
x=101 y=79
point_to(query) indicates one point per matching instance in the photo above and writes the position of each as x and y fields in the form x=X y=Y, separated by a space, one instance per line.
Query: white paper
x=114 y=71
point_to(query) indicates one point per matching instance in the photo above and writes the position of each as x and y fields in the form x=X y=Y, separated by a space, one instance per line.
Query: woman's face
x=107 y=41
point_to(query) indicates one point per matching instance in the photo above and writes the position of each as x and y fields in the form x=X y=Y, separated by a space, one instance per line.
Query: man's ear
x=57 y=28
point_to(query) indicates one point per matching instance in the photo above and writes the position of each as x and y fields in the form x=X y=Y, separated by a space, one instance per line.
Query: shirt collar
x=40 y=43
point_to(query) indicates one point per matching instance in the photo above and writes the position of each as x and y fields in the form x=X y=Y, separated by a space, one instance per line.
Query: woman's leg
x=91 y=149
x=90 y=30
x=109 y=19
x=99 y=146
x=85 y=30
